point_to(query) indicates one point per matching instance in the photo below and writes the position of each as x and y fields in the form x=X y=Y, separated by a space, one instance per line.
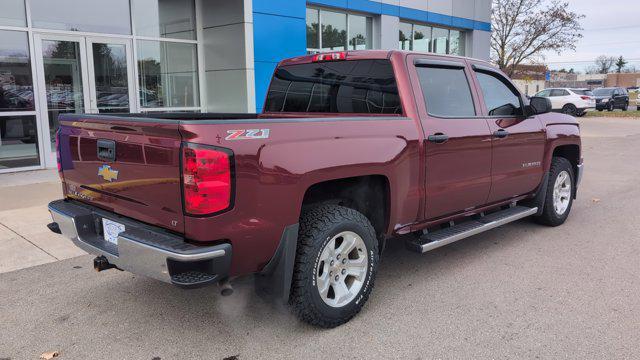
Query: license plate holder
x=111 y=229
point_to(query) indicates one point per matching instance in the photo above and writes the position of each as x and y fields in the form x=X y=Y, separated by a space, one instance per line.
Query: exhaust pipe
x=225 y=287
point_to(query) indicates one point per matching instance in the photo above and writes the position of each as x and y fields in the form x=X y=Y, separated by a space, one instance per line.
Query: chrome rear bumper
x=142 y=249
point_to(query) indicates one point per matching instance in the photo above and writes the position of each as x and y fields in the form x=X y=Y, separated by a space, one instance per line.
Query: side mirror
x=539 y=105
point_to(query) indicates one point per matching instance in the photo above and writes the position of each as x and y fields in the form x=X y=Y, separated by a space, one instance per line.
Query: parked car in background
x=575 y=102
x=611 y=98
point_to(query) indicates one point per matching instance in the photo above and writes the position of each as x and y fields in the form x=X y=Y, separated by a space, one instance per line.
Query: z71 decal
x=247 y=134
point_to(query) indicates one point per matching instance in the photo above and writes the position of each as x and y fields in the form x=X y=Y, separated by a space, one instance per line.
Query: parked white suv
x=575 y=102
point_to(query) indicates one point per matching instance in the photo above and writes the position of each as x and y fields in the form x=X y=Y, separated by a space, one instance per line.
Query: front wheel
x=336 y=263
x=559 y=198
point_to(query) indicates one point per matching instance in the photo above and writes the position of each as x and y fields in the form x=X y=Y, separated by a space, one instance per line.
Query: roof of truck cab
x=375 y=54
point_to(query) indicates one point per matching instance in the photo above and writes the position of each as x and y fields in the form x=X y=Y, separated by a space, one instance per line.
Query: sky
x=611 y=28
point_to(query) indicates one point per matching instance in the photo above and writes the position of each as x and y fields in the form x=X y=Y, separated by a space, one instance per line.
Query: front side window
x=358 y=86
x=173 y=19
x=499 y=98
x=446 y=92
x=544 y=93
x=168 y=74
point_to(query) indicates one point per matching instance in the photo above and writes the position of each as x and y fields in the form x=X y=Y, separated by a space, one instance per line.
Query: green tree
x=620 y=64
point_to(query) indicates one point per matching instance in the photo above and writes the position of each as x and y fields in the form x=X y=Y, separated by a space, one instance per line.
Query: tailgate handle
x=107 y=150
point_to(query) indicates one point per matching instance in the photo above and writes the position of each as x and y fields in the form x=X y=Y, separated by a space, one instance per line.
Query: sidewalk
x=25 y=240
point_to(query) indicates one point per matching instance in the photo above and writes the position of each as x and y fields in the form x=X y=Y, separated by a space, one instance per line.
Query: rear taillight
x=337 y=56
x=58 y=155
x=206 y=179
x=585 y=97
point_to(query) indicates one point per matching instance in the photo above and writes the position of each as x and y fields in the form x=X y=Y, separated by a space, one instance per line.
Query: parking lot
x=521 y=291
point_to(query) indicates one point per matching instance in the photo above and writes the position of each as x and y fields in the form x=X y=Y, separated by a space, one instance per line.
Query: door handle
x=438 y=138
x=502 y=133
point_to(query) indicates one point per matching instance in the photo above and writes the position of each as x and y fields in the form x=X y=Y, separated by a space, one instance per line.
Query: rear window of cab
x=351 y=86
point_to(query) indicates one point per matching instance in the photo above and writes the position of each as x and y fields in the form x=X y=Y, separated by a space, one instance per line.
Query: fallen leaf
x=595 y=200
x=49 y=355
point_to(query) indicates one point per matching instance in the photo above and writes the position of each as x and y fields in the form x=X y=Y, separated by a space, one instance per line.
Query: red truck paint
x=428 y=183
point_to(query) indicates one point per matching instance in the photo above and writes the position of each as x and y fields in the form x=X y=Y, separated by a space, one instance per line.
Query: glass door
x=110 y=76
x=81 y=75
x=62 y=80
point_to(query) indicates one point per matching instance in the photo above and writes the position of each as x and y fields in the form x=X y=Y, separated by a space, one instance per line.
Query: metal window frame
x=432 y=27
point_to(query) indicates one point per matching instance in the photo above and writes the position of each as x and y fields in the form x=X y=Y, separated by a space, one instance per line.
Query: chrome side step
x=446 y=236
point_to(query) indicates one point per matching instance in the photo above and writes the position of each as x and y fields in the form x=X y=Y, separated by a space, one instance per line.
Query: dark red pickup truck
x=352 y=149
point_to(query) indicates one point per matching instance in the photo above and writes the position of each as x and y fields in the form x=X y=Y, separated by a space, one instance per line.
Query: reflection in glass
x=439 y=42
x=360 y=29
x=405 y=37
x=334 y=30
x=312 y=30
x=110 y=67
x=456 y=42
x=421 y=38
x=16 y=85
x=168 y=74
x=13 y=13
x=63 y=81
x=165 y=18
x=110 y=17
x=18 y=142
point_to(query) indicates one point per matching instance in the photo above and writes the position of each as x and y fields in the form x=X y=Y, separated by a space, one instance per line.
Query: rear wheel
x=559 y=198
x=336 y=264
x=570 y=109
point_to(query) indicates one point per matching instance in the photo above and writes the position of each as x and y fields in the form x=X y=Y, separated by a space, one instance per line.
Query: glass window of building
x=16 y=84
x=439 y=41
x=165 y=18
x=338 y=31
x=313 y=24
x=360 y=29
x=456 y=42
x=18 y=142
x=109 y=17
x=168 y=74
x=424 y=38
x=13 y=13
x=421 y=38
x=334 y=30
x=405 y=41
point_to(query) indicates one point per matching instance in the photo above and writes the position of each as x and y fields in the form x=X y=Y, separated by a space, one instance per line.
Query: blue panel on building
x=291 y=8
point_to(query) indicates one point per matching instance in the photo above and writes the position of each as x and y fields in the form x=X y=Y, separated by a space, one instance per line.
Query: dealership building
x=96 y=56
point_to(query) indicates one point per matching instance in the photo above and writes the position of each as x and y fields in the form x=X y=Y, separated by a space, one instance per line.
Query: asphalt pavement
x=521 y=291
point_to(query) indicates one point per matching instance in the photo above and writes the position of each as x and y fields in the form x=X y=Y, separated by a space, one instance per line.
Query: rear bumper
x=142 y=249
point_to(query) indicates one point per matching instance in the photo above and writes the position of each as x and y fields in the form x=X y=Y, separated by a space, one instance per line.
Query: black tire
x=549 y=215
x=570 y=109
x=317 y=227
x=583 y=113
x=600 y=110
x=625 y=107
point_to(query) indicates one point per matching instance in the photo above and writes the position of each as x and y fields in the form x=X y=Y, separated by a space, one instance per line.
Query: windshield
x=582 y=92
x=603 y=92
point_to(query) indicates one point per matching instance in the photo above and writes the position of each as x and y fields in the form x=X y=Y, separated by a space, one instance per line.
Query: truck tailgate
x=125 y=166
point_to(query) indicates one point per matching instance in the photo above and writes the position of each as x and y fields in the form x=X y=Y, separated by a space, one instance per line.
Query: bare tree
x=525 y=29
x=603 y=64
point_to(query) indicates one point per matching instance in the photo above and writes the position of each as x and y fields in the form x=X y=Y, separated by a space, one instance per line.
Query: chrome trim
x=133 y=256
x=480 y=229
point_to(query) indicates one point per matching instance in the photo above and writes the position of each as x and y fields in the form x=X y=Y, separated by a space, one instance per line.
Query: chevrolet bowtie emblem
x=107 y=173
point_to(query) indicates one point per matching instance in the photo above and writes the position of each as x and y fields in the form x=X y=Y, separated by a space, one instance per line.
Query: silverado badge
x=107 y=173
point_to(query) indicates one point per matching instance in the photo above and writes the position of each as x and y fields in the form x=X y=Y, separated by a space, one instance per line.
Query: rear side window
x=358 y=86
x=559 y=92
x=500 y=98
x=446 y=92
